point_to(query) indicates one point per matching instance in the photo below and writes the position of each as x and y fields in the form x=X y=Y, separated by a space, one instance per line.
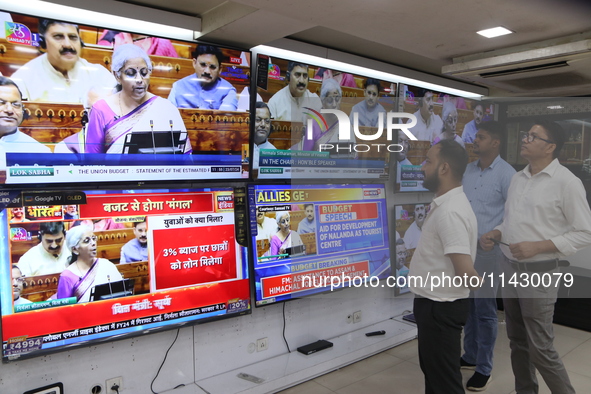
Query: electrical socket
x=349 y=318
x=262 y=344
x=356 y=317
x=111 y=382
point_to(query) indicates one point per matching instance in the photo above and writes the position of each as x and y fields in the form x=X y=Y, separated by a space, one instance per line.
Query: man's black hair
x=9 y=82
x=52 y=228
x=555 y=134
x=372 y=81
x=455 y=156
x=208 y=50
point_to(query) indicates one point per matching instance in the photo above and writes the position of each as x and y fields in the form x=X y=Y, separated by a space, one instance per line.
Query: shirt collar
x=550 y=169
x=439 y=200
x=492 y=165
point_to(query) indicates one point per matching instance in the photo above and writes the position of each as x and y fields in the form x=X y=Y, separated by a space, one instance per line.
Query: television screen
x=295 y=138
x=95 y=265
x=316 y=238
x=438 y=116
x=409 y=224
x=103 y=105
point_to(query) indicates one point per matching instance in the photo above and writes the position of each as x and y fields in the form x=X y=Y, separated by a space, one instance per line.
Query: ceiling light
x=494 y=32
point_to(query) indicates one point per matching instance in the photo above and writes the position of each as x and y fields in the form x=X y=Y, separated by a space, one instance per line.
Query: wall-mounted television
x=409 y=224
x=294 y=138
x=97 y=265
x=103 y=105
x=306 y=235
x=439 y=116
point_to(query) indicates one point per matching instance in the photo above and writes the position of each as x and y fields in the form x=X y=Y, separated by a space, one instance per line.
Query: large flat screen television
x=311 y=238
x=438 y=116
x=101 y=105
x=116 y=263
x=295 y=139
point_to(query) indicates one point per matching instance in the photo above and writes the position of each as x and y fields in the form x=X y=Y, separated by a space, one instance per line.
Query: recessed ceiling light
x=494 y=32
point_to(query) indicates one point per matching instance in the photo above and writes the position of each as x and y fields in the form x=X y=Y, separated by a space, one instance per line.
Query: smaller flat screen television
x=409 y=223
x=438 y=115
x=116 y=263
x=308 y=236
x=295 y=139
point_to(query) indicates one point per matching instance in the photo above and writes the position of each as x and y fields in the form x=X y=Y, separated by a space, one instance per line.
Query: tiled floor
x=397 y=370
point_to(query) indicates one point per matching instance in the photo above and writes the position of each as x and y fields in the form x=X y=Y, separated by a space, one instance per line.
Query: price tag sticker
x=21 y=345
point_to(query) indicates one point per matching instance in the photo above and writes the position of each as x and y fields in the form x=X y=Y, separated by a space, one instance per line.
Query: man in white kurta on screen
x=49 y=256
x=60 y=75
x=447 y=249
x=546 y=218
x=289 y=103
x=12 y=140
x=429 y=125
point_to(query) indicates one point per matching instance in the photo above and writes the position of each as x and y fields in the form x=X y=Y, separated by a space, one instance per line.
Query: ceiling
x=423 y=35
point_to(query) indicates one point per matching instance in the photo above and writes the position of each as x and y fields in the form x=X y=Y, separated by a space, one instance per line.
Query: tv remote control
x=374 y=333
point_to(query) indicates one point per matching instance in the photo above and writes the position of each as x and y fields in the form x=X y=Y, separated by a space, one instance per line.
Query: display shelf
x=289 y=369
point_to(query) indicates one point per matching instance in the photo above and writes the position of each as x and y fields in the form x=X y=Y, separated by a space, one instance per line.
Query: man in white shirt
x=262 y=129
x=60 y=75
x=266 y=227
x=11 y=116
x=18 y=284
x=546 y=218
x=49 y=256
x=428 y=124
x=308 y=224
x=447 y=249
x=288 y=103
x=414 y=231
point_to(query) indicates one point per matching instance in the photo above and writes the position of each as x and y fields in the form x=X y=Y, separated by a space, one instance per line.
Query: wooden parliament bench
x=208 y=130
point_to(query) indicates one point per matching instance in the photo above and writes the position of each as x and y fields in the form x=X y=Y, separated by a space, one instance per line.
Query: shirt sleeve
x=230 y=102
x=576 y=211
x=455 y=234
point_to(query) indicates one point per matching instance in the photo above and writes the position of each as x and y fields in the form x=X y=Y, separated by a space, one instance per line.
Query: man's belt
x=538 y=266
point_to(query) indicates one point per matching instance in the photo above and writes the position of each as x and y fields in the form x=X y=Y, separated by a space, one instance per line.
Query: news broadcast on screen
x=314 y=122
x=114 y=263
x=438 y=116
x=96 y=105
x=308 y=237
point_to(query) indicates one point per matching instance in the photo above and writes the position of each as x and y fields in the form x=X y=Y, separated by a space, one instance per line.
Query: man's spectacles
x=20 y=279
x=14 y=104
x=529 y=138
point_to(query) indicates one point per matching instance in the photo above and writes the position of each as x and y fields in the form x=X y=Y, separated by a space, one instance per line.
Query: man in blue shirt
x=137 y=248
x=205 y=89
x=471 y=128
x=308 y=225
x=486 y=182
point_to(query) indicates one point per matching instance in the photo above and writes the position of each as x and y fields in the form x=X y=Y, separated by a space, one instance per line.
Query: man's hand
x=525 y=250
x=486 y=242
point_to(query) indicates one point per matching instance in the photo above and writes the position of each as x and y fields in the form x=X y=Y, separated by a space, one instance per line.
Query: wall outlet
x=349 y=318
x=356 y=317
x=262 y=344
x=114 y=382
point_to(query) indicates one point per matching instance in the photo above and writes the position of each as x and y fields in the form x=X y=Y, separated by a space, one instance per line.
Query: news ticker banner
x=411 y=178
x=281 y=164
x=62 y=174
x=101 y=319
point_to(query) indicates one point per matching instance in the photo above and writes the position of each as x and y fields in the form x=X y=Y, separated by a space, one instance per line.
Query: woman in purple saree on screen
x=85 y=270
x=132 y=108
x=284 y=238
